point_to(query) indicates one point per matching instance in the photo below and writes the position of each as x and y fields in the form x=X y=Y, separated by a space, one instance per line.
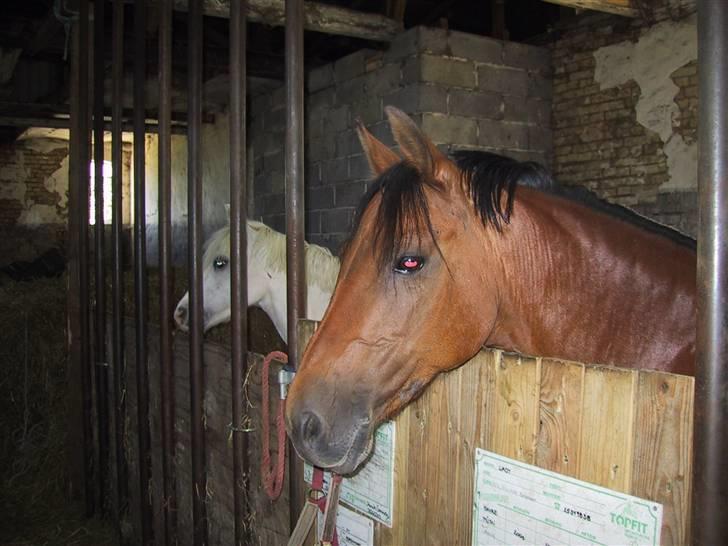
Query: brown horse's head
x=410 y=302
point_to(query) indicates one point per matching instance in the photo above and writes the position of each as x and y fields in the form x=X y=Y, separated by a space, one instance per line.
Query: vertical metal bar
x=140 y=271
x=238 y=263
x=194 y=204
x=117 y=220
x=102 y=379
x=83 y=247
x=295 y=264
x=294 y=172
x=710 y=479
x=78 y=303
x=169 y=504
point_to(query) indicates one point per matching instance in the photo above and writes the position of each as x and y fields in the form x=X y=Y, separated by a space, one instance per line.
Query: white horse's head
x=266 y=278
x=216 y=278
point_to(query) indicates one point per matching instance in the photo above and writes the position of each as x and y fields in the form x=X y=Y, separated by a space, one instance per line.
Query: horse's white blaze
x=266 y=279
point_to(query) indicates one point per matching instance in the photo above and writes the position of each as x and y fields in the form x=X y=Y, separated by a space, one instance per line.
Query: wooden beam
x=318 y=17
x=627 y=8
x=65 y=123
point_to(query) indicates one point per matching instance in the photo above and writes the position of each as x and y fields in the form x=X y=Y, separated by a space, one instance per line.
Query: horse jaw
x=274 y=303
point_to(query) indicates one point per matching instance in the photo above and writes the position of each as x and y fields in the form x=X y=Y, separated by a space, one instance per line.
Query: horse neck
x=318 y=294
x=582 y=285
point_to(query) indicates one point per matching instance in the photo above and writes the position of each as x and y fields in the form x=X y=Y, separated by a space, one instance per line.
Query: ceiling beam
x=317 y=17
x=65 y=123
x=626 y=8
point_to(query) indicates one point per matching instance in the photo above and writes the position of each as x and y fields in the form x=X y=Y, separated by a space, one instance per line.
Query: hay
x=33 y=367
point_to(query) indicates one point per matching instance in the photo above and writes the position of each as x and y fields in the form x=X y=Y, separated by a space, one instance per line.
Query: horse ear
x=380 y=157
x=413 y=143
x=418 y=148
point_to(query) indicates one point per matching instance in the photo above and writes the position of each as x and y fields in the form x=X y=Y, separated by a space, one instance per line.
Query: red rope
x=273 y=478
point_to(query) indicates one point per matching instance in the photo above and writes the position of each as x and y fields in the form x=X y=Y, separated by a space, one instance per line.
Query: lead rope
x=273 y=478
x=273 y=481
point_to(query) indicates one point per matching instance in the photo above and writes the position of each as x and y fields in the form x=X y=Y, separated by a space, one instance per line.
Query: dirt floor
x=33 y=366
x=32 y=421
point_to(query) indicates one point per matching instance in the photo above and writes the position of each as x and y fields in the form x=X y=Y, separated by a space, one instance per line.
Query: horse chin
x=214 y=320
x=359 y=452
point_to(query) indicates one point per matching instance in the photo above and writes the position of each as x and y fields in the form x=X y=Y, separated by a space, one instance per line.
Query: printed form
x=517 y=503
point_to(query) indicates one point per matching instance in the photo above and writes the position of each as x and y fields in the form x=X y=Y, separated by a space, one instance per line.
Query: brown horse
x=451 y=254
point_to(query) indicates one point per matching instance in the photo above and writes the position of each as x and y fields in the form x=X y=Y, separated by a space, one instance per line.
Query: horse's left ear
x=418 y=148
x=379 y=156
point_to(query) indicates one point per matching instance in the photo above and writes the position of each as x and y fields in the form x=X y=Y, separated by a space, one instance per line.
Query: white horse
x=266 y=278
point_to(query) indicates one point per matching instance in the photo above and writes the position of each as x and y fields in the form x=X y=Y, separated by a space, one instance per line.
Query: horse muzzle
x=339 y=447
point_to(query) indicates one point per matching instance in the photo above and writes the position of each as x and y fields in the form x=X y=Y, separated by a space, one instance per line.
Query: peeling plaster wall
x=625 y=111
x=34 y=195
x=650 y=62
x=32 y=188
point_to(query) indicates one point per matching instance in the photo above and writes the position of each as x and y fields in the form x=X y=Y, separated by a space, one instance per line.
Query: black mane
x=492 y=181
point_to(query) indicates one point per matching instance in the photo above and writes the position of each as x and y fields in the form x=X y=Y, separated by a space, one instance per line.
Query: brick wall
x=25 y=195
x=625 y=116
x=33 y=199
x=465 y=91
x=34 y=196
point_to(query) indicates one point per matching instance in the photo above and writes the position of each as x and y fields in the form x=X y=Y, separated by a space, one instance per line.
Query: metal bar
x=238 y=264
x=78 y=304
x=117 y=281
x=166 y=354
x=295 y=264
x=83 y=249
x=140 y=273
x=102 y=376
x=194 y=200
x=294 y=173
x=710 y=478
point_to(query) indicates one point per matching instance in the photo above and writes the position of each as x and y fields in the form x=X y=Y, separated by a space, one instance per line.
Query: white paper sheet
x=352 y=529
x=517 y=503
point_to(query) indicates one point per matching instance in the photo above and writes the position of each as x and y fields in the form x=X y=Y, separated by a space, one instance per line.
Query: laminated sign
x=517 y=503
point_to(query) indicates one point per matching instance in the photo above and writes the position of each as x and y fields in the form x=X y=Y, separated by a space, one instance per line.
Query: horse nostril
x=311 y=428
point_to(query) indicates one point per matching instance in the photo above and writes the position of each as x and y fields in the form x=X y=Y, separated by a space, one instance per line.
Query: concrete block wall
x=465 y=91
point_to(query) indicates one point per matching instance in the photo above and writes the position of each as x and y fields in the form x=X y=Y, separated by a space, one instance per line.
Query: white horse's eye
x=220 y=262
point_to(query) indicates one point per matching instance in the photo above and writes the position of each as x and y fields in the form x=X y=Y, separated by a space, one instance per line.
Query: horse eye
x=220 y=262
x=409 y=264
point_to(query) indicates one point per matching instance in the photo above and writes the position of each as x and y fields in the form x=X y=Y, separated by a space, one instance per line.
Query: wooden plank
x=318 y=17
x=468 y=398
x=562 y=386
x=516 y=425
x=488 y=361
x=415 y=518
x=383 y=535
x=626 y=8
x=607 y=430
x=662 y=450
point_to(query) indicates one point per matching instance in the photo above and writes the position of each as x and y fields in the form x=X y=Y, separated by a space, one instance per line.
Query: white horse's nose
x=180 y=317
